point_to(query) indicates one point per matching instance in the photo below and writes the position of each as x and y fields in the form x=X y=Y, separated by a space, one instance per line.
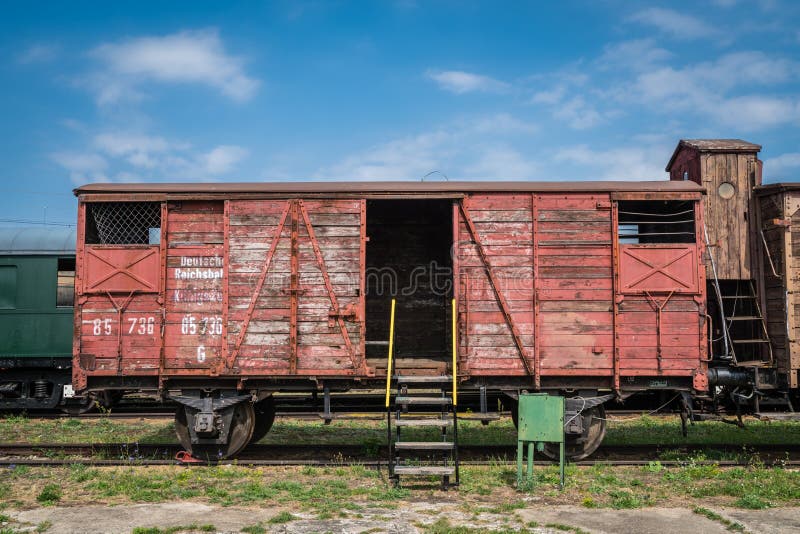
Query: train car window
x=123 y=223
x=656 y=221
x=65 y=288
x=8 y=287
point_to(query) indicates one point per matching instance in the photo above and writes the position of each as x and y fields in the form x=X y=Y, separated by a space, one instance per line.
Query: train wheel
x=265 y=416
x=578 y=447
x=84 y=405
x=242 y=426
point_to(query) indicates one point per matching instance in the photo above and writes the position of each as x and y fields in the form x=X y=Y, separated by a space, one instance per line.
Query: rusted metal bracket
x=120 y=308
x=358 y=364
x=523 y=353
x=294 y=287
x=658 y=307
x=349 y=311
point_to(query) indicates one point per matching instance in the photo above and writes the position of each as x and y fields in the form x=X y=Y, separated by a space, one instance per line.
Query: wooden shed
x=729 y=169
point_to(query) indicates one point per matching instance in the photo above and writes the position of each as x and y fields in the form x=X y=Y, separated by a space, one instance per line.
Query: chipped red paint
x=274 y=287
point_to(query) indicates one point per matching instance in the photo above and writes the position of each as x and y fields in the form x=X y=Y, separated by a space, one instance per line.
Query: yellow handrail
x=391 y=354
x=455 y=369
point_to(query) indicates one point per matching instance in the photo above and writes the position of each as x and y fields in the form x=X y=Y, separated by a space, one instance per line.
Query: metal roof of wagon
x=378 y=187
x=23 y=241
x=714 y=145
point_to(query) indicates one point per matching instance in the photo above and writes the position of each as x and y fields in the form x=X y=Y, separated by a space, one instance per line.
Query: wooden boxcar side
x=779 y=212
x=547 y=290
x=266 y=285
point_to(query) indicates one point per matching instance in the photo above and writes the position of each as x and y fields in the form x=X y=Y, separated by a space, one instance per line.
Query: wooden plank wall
x=504 y=224
x=193 y=331
x=727 y=221
x=791 y=361
x=574 y=284
x=772 y=208
x=267 y=344
x=778 y=210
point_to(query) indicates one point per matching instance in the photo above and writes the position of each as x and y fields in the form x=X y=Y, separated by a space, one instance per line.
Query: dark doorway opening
x=408 y=258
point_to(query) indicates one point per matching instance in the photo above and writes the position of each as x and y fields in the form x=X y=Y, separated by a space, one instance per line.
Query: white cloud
x=502 y=123
x=635 y=162
x=785 y=166
x=551 y=96
x=197 y=57
x=407 y=158
x=134 y=156
x=479 y=147
x=460 y=82
x=635 y=54
x=674 y=23
x=501 y=163
x=82 y=167
x=38 y=53
x=223 y=159
x=714 y=89
x=138 y=150
x=578 y=114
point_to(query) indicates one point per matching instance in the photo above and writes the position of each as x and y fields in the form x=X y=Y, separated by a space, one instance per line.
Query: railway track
x=369 y=455
x=168 y=412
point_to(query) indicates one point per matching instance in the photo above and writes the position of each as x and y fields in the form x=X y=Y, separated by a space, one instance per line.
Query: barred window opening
x=656 y=222
x=123 y=223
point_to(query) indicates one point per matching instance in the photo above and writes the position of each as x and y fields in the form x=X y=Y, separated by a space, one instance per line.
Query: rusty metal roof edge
x=733 y=145
x=766 y=189
x=386 y=187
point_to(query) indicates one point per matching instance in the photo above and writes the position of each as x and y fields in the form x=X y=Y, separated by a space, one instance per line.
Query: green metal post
x=540 y=421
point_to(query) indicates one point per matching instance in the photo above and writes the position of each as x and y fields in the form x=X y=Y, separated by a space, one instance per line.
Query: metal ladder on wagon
x=415 y=406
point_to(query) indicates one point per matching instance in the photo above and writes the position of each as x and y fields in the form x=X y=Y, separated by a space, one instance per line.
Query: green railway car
x=37 y=275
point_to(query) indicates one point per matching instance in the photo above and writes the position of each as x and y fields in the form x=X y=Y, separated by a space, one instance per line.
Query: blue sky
x=307 y=90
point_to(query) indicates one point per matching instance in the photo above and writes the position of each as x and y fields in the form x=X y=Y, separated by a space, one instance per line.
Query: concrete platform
x=407 y=518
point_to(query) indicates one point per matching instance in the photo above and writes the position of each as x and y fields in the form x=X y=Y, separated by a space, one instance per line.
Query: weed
x=754 y=502
x=254 y=529
x=654 y=467
x=44 y=526
x=713 y=516
x=443 y=526
x=50 y=494
x=174 y=530
x=621 y=499
x=282 y=517
x=566 y=528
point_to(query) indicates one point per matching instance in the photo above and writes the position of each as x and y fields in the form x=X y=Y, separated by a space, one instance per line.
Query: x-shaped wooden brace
x=122 y=270
x=658 y=268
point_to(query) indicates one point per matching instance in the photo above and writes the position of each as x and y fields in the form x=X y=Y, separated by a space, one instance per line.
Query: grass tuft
x=282 y=517
x=714 y=516
x=49 y=495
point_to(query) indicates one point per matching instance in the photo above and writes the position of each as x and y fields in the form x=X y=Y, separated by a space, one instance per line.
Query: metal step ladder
x=746 y=327
x=421 y=403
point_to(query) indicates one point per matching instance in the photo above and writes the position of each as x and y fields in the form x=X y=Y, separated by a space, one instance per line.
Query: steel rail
x=256 y=452
x=374 y=464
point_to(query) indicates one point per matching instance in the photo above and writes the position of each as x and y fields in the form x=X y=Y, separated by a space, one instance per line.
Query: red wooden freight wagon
x=218 y=295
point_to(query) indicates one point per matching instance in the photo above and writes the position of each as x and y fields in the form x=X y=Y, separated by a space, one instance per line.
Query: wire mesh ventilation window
x=656 y=221
x=123 y=223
